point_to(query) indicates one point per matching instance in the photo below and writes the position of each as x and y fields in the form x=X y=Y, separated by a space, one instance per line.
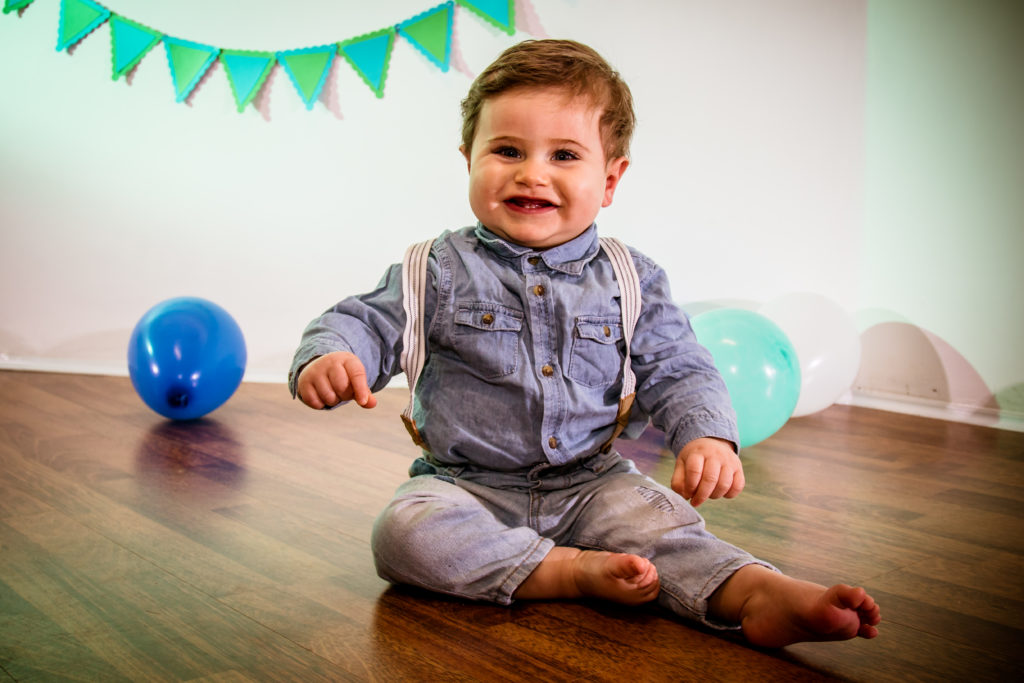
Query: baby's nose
x=532 y=172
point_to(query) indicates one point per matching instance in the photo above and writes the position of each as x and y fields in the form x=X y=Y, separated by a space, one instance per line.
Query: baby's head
x=565 y=64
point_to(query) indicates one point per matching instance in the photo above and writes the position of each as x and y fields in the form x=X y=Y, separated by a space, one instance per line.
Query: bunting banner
x=369 y=54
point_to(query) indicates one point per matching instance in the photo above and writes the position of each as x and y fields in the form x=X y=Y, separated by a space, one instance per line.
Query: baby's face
x=537 y=169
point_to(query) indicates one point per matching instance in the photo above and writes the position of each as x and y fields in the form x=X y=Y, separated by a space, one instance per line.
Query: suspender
x=629 y=300
x=414 y=343
x=414 y=281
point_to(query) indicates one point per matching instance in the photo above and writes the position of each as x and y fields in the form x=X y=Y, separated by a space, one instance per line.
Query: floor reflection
x=190 y=455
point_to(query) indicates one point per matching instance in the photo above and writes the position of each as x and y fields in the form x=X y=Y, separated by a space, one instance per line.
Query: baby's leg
x=574 y=573
x=436 y=535
x=775 y=610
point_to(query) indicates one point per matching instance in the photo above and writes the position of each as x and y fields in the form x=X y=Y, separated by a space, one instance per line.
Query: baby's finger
x=357 y=383
x=738 y=482
x=309 y=396
x=726 y=477
x=336 y=386
x=708 y=482
x=694 y=472
x=326 y=389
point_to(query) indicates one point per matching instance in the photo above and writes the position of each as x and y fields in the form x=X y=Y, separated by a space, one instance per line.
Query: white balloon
x=827 y=345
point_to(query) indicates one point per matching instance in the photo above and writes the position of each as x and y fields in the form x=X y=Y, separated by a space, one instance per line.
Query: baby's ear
x=613 y=174
x=465 y=153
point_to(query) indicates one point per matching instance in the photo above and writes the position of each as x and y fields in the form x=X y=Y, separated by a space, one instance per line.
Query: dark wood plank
x=236 y=548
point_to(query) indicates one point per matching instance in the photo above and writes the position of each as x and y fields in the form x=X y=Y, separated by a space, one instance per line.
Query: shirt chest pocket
x=487 y=337
x=595 y=359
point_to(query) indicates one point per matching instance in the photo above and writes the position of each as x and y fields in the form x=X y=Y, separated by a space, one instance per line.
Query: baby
x=536 y=333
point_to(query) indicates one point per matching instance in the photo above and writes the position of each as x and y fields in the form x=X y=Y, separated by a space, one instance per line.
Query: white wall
x=943 y=236
x=746 y=183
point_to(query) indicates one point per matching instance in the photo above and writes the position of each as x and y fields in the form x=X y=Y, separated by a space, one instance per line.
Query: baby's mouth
x=529 y=203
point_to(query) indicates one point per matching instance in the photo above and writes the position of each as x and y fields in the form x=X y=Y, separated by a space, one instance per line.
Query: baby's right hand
x=333 y=378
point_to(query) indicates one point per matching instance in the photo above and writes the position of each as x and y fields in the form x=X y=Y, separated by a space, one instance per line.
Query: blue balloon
x=759 y=365
x=186 y=357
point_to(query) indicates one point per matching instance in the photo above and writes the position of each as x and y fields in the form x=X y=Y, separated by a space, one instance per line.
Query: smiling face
x=537 y=169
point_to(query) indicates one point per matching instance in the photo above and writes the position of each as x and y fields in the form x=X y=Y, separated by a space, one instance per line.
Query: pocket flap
x=604 y=331
x=489 y=317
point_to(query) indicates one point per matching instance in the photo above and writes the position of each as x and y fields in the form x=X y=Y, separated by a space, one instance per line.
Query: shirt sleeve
x=369 y=325
x=678 y=385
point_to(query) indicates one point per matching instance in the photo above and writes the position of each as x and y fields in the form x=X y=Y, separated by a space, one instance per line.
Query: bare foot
x=575 y=573
x=775 y=610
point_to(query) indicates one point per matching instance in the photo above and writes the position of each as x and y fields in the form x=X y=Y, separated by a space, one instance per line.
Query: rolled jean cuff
x=522 y=571
x=715 y=582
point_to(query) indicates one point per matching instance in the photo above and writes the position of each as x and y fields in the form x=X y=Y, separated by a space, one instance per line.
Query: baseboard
x=952 y=412
x=896 y=403
x=121 y=370
x=72 y=367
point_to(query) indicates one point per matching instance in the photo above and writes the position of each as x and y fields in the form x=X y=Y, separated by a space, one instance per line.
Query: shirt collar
x=569 y=258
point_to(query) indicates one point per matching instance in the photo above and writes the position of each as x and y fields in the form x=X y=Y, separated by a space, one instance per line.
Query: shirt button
x=607 y=331
x=533 y=260
x=488 y=318
x=539 y=290
x=553 y=442
x=547 y=370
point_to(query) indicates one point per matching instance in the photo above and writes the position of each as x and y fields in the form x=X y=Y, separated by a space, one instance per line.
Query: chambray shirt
x=525 y=353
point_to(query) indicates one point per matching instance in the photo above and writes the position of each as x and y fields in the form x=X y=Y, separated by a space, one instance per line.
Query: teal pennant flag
x=246 y=70
x=130 y=41
x=501 y=13
x=370 y=55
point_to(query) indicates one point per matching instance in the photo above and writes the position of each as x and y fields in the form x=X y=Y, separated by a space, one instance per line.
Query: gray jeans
x=479 y=535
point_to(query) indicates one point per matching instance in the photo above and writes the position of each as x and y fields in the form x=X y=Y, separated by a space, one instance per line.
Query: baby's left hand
x=707 y=468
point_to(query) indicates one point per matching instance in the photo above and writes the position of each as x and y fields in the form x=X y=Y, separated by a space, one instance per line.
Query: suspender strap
x=629 y=299
x=414 y=281
x=414 y=348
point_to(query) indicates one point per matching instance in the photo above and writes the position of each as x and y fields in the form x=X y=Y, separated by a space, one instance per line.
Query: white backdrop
x=745 y=179
x=747 y=182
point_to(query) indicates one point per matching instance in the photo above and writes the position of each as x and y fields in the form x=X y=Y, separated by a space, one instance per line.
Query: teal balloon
x=186 y=356
x=759 y=365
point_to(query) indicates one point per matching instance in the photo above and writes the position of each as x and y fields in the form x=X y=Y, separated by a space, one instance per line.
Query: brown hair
x=566 y=64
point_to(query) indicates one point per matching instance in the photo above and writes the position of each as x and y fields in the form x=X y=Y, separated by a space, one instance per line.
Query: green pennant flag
x=370 y=55
x=308 y=69
x=247 y=71
x=15 y=5
x=77 y=19
x=188 y=62
x=431 y=33
x=501 y=13
x=130 y=41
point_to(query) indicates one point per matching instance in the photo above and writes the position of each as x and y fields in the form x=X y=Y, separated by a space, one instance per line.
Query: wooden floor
x=236 y=548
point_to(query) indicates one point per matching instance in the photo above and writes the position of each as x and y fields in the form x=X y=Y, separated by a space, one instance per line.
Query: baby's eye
x=510 y=152
x=565 y=155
